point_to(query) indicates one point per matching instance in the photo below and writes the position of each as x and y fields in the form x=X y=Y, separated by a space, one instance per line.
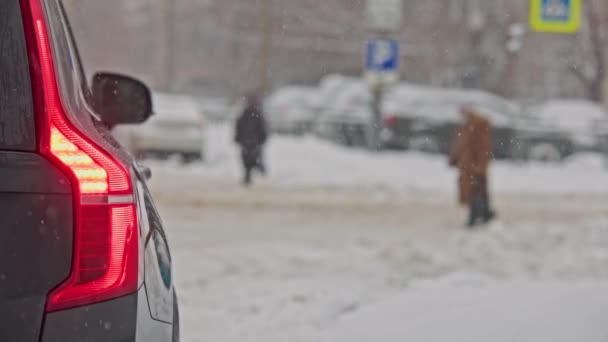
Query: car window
x=17 y=125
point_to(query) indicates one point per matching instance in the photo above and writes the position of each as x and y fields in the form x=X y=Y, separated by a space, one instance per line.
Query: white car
x=577 y=119
x=176 y=128
x=290 y=110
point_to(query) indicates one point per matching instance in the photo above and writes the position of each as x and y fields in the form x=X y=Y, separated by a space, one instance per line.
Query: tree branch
x=596 y=36
x=580 y=75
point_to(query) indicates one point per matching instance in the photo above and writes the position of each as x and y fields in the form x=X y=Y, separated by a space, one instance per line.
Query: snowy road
x=276 y=264
x=336 y=238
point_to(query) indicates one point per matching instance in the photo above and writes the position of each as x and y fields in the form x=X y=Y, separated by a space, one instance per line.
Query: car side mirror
x=120 y=99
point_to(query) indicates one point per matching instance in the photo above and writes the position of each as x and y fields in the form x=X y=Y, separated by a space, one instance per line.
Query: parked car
x=329 y=88
x=346 y=120
x=436 y=132
x=79 y=223
x=565 y=127
x=217 y=109
x=397 y=130
x=177 y=128
x=290 y=110
x=427 y=119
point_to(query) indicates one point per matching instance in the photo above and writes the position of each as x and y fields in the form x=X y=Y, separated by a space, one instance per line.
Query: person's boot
x=488 y=213
x=476 y=211
x=247 y=179
x=489 y=216
x=472 y=215
x=262 y=168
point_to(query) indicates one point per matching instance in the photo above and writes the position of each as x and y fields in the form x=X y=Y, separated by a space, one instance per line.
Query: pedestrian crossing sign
x=555 y=16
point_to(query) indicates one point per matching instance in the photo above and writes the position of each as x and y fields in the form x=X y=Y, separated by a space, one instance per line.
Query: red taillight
x=106 y=246
x=92 y=178
x=390 y=121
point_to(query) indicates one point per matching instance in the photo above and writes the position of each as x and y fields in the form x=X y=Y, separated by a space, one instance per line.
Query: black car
x=429 y=122
x=83 y=253
x=430 y=126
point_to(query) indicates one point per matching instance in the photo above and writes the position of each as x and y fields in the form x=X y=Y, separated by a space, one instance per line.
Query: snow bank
x=310 y=162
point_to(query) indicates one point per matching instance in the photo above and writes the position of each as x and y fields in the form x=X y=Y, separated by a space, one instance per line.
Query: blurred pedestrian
x=251 y=135
x=471 y=154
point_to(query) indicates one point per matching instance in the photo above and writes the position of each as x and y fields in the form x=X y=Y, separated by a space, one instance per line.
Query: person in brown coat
x=471 y=154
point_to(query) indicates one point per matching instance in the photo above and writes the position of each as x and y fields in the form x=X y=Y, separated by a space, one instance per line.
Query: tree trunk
x=596 y=90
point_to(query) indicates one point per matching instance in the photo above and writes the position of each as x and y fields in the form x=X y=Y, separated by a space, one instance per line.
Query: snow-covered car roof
x=443 y=105
x=411 y=95
x=405 y=99
x=332 y=85
x=449 y=112
x=299 y=94
x=573 y=116
x=352 y=102
x=175 y=108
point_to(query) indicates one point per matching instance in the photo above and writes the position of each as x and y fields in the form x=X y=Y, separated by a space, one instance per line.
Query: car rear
x=36 y=234
x=69 y=239
x=396 y=131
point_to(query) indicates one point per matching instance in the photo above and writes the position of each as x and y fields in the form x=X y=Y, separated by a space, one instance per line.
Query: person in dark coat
x=251 y=135
x=471 y=154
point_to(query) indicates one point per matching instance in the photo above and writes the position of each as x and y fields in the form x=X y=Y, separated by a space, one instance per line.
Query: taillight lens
x=106 y=243
x=92 y=178
x=390 y=121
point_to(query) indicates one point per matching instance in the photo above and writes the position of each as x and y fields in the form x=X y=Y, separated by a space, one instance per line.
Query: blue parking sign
x=382 y=56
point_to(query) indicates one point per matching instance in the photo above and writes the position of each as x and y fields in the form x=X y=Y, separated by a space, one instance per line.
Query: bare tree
x=590 y=68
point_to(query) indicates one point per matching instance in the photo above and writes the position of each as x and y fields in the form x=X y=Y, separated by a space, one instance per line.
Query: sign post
x=382 y=67
x=382 y=58
x=556 y=16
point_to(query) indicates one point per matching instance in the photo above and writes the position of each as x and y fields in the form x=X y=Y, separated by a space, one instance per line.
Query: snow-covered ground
x=305 y=162
x=257 y=269
x=444 y=311
x=342 y=245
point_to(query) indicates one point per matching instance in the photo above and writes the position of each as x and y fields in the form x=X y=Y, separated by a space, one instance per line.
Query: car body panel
x=35 y=241
x=35 y=197
x=126 y=319
x=158 y=270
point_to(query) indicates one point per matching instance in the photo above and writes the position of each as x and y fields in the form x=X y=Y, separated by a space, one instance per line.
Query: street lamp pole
x=265 y=47
x=166 y=52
